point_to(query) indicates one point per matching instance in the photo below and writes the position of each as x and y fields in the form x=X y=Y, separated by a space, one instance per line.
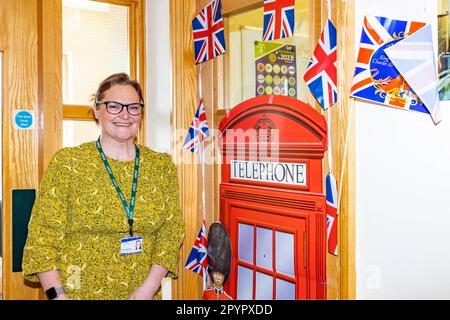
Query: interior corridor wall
x=159 y=86
x=159 y=75
x=403 y=191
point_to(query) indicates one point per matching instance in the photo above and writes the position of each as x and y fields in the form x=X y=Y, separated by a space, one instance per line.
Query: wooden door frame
x=344 y=130
x=2 y=103
x=185 y=98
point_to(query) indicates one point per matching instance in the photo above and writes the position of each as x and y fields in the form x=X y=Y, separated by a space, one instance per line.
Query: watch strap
x=54 y=292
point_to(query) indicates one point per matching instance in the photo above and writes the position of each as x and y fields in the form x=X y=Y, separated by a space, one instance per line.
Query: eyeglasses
x=114 y=107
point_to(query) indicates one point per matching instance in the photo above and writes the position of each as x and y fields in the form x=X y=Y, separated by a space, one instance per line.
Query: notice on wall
x=23 y=119
x=276 y=69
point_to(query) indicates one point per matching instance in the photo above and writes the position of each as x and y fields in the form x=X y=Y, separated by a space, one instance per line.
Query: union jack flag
x=198 y=257
x=321 y=74
x=209 y=39
x=279 y=21
x=331 y=208
x=198 y=130
x=376 y=78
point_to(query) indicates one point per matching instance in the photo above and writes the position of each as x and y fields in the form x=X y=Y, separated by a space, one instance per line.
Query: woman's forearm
x=49 y=279
x=154 y=278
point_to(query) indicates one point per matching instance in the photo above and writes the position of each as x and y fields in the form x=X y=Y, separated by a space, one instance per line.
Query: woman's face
x=123 y=126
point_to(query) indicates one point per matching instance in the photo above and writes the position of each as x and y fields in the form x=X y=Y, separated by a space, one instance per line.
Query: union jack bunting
x=376 y=78
x=331 y=209
x=321 y=74
x=279 y=21
x=198 y=130
x=414 y=59
x=198 y=257
x=209 y=39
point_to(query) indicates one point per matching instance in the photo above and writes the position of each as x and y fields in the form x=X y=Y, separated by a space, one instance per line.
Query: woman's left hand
x=141 y=293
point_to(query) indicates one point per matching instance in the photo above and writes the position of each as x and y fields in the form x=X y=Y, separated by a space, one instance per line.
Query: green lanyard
x=129 y=210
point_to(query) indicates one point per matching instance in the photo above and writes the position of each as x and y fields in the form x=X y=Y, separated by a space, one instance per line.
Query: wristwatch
x=53 y=292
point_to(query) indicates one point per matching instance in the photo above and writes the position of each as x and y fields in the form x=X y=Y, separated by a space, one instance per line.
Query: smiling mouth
x=122 y=124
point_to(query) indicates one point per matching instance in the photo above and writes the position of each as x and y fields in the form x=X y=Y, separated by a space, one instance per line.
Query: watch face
x=51 y=293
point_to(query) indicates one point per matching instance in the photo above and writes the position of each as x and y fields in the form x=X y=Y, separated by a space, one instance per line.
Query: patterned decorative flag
x=198 y=130
x=321 y=74
x=198 y=257
x=414 y=59
x=279 y=19
x=209 y=38
x=332 y=221
x=376 y=78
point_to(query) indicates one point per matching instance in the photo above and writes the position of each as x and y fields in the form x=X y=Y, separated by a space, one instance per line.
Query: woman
x=84 y=229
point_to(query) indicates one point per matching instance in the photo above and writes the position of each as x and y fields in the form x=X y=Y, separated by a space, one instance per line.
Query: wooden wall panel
x=3 y=47
x=185 y=99
x=32 y=81
x=141 y=67
x=20 y=161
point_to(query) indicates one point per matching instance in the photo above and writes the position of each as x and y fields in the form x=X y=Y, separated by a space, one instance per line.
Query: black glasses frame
x=122 y=106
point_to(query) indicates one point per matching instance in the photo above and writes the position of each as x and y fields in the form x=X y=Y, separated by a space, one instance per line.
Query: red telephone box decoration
x=272 y=200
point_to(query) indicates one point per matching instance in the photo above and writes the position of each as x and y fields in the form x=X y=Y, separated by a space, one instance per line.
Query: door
x=18 y=30
x=37 y=73
x=269 y=264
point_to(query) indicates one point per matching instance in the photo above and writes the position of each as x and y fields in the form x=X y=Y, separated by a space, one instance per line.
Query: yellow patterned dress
x=78 y=220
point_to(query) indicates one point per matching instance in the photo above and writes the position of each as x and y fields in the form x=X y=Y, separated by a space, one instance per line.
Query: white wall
x=402 y=174
x=159 y=75
x=159 y=87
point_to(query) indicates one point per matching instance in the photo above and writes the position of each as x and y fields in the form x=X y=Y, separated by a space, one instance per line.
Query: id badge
x=130 y=245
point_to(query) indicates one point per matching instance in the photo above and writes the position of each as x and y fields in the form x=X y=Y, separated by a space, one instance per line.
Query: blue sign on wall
x=23 y=119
